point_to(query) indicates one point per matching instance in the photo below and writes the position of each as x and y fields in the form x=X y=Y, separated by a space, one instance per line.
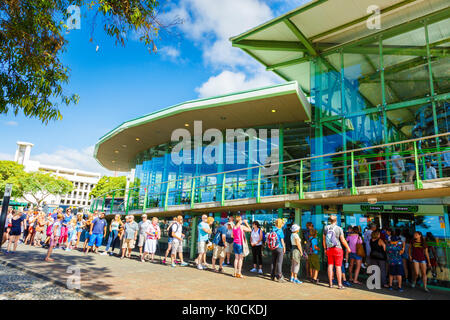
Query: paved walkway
x=108 y=277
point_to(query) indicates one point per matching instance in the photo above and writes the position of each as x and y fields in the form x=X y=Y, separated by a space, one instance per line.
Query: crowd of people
x=400 y=257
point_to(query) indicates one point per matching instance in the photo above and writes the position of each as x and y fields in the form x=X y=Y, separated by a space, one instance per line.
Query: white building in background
x=83 y=181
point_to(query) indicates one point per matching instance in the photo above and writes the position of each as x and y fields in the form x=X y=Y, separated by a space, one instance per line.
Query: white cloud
x=12 y=123
x=210 y=24
x=170 y=52
x=228 y=82
x=6 y=156
x=72 y=158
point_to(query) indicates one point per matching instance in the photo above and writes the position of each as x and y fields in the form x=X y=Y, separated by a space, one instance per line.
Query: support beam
x=399 y=67
x=279 y=20
x=360 y=20
x=270 y=45
x=288 y=63
x=393 y=31
x=300 y=36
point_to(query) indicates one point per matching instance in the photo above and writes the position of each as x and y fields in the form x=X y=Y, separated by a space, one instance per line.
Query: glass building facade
x=387 y=89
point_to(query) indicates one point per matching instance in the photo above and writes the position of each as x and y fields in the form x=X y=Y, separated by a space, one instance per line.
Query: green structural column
x=281 y=165
x=370 y=175
x=96 y=204
x=384 y=103
x=301 y=194
x=343 y=112
x=298 y=216
x=128 y=201
x=418 y=183
x=258 y=192
x=144 y=207
x=433 y=103
x=353 y=189
x=193 y=244
x=166 y=198
x=103 y=203
x=111 y=209
x=222 y=194
x=192 y=193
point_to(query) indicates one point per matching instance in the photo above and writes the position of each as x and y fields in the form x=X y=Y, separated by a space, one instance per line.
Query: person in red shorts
x=333 y=240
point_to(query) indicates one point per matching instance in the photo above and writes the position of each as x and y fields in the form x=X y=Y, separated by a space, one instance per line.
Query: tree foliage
x=32 y=38
x=11 y=172
x=106 y=185
x=39 y=185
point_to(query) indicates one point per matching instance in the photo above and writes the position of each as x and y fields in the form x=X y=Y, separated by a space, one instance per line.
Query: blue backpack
x=217 y=237
x=330 y=237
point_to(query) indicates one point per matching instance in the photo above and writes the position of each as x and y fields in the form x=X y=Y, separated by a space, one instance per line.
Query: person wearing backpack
x=229 y=244
x=313 y=256
x=275 y=243
x=256 y=241
x=169 y=239
x=176 y=232
x=220 y=243
x=333 y=240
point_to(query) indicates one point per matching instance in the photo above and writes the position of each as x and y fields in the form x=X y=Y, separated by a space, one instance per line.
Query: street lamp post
x=5 y=204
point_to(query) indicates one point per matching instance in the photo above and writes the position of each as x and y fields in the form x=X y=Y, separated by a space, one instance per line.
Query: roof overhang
x=324 y=28
x=117 y=149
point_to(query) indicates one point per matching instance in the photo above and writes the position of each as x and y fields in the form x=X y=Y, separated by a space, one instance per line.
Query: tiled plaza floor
x=111 y=278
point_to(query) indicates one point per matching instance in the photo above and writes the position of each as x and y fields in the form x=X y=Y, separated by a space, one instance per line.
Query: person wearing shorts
x=313 y=256
x=131 y=229
x=56 y=234
x=177 y=241
x=203 y=234
x=97 y=232
x=143 y=226
x=334 y=251
x=354 y=239
x=17 y=222
x=394 y=250
x=229 y=246
x=219 y=248
x=169 y=239
x=418 y=254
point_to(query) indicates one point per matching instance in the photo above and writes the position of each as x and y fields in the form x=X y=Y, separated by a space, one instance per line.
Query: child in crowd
x=56 y=228
x=313 y=256
x=71 y=233
x=49 y=232
x=394 y=250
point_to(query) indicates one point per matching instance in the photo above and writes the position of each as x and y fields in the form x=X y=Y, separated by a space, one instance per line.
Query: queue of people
x=396 y=254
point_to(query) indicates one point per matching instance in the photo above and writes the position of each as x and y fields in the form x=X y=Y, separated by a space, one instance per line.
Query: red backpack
x=272 y=240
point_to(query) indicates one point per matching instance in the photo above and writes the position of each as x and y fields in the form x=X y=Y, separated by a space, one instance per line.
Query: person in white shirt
x=430 y=171
x=143 y=226
x=177 y=241
x=367 y=236
x=446 y=159
x=398 y=166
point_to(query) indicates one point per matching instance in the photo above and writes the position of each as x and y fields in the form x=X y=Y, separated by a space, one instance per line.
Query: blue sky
x=120 y=83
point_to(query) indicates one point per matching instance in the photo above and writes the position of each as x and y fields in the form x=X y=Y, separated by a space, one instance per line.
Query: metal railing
x=351 y=169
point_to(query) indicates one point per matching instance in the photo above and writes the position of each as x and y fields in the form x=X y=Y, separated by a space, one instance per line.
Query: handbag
x=360 y=250
x=245 y=249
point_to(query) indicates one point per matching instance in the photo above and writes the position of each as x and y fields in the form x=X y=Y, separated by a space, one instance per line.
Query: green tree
x=39 y=185
x=12 y=172
x=106 y=185
x=33 y=36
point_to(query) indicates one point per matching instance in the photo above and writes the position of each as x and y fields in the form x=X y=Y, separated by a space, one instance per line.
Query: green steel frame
x=362 y=45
